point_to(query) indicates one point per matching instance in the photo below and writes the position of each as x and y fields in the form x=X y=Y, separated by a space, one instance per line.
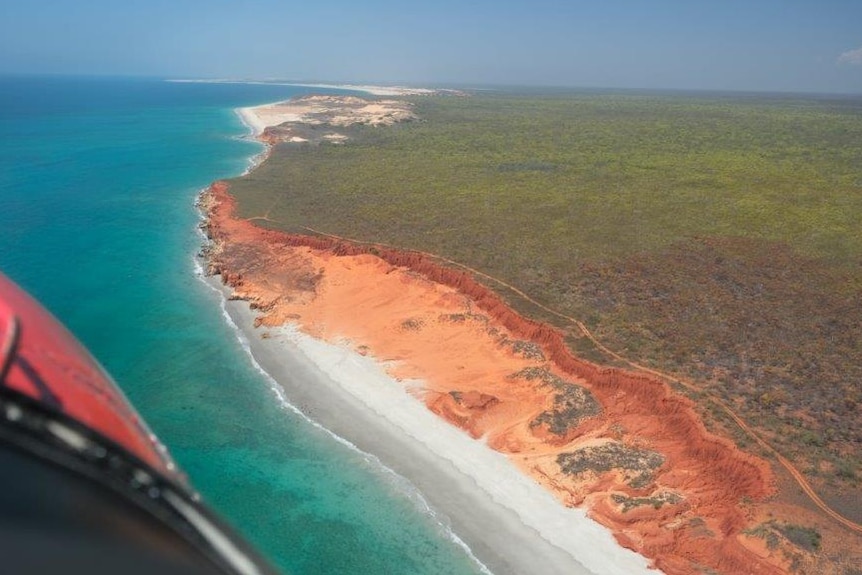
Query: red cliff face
x=702 y=520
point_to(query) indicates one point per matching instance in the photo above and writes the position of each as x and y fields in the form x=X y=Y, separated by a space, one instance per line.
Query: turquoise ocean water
x=98 y=179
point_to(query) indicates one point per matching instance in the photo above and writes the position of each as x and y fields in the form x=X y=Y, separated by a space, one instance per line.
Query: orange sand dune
x=666 y=487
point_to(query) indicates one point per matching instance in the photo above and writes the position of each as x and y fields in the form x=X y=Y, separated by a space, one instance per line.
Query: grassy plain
x=718 y=237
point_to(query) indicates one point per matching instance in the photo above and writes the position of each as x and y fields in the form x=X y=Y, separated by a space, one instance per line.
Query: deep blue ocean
x=98 y=179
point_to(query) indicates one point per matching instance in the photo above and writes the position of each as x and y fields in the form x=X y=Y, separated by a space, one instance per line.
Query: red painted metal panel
x=40 y=358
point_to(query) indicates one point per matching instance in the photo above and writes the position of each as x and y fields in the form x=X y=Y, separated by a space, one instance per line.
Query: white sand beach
x=254 y=122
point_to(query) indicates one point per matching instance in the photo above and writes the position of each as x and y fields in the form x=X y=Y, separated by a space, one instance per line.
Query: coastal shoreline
x=371 y=89
x=474 y=492
x=255 y=128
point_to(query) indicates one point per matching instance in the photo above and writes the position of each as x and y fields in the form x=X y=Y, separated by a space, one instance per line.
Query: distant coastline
x=374 y=90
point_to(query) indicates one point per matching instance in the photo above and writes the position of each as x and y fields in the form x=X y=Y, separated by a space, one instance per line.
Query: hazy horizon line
x=271 y=80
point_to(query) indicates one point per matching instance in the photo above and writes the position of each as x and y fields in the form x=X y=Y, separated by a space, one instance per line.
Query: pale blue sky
x=787 y=45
